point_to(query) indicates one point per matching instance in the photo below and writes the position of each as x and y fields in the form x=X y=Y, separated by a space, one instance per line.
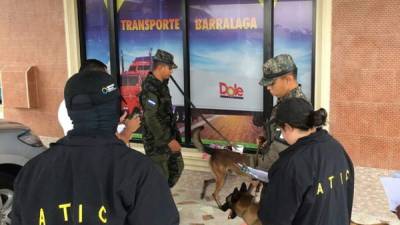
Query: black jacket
x=92 y=180
x=312 y=183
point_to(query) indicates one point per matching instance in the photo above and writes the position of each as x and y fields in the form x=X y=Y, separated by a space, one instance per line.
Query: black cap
x=90 y=88
x=165 y=57
x=294 y=111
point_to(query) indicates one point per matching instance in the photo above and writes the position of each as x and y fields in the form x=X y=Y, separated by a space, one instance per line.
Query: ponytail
x=317 y=118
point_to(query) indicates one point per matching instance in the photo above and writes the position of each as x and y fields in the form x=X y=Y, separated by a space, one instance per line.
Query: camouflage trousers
x=170 y=165
x=266 y=160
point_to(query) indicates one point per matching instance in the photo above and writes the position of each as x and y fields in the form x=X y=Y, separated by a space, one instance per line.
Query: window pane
x=226 y=57
x=144 y=27
x=96 y=31
x=293 y=34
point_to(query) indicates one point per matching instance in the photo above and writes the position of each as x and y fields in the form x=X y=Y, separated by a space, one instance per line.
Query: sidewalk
x=370 y=204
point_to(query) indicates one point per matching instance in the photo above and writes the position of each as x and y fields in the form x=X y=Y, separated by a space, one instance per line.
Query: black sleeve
x=16 y=210
x=152 y=201
x=350 y=185
x=283 y=195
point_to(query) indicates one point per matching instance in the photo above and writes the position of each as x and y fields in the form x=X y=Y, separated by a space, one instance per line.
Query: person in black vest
x=90 y=176
x=312 y=182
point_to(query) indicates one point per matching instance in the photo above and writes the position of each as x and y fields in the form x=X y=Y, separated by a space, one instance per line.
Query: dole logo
x=226 y=91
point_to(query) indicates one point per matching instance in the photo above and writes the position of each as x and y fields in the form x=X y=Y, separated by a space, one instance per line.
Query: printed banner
x=144 y=27
x=226 y=54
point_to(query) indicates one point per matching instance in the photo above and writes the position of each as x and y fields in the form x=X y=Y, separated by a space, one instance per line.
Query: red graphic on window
x=226 y=91
x=131 y=82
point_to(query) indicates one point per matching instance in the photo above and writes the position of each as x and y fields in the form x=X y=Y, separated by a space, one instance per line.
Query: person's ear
x=289 y=77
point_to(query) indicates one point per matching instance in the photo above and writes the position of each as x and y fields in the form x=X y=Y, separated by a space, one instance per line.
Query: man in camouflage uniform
x=160 y=135
x=280 y=74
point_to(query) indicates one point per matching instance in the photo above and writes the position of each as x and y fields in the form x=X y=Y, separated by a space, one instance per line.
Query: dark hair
x=317 y=118
x=93 y=65
x=314 y=119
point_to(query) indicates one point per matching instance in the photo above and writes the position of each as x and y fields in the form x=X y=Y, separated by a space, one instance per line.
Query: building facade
x=356 y=70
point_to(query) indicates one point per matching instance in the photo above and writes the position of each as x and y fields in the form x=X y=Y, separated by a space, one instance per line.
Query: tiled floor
x=370 y=202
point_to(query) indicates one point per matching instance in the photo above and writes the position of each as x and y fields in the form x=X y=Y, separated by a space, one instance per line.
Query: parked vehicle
x=17 y=146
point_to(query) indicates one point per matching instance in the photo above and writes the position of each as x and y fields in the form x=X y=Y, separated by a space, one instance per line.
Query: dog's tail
x=196 y=139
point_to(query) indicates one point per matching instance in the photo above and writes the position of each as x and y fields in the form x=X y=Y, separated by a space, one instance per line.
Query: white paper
x=391 y=185
x=238 y=148
x=255 y=173
x=396 y=174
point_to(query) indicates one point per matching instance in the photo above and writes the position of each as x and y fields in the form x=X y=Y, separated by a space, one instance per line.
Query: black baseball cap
x=90 y=88
x=294 y=111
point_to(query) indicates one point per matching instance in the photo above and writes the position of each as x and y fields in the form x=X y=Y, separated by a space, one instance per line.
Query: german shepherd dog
x=221 y=162
x=242 y=203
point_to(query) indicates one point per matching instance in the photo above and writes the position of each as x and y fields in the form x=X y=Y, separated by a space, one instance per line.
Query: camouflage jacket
x=159 y=123
x=273 y=134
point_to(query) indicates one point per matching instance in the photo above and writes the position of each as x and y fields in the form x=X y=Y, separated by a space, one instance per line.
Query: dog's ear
x=243 y=188
x=235 y=196
x=250 y=189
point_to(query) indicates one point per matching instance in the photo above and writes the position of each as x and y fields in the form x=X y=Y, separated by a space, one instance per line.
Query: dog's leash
x=201 y=115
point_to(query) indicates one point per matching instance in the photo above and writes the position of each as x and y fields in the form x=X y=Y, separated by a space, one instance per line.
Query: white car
x=17 y=146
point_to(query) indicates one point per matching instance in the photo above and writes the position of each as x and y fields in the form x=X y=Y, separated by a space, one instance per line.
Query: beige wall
x=32 y=33
x=365 y=80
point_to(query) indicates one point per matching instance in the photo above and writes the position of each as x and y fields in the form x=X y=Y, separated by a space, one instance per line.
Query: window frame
x=268 y=53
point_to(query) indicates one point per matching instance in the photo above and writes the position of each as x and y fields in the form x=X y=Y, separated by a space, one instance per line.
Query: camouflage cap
x=165 y=57
x=276 y=67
